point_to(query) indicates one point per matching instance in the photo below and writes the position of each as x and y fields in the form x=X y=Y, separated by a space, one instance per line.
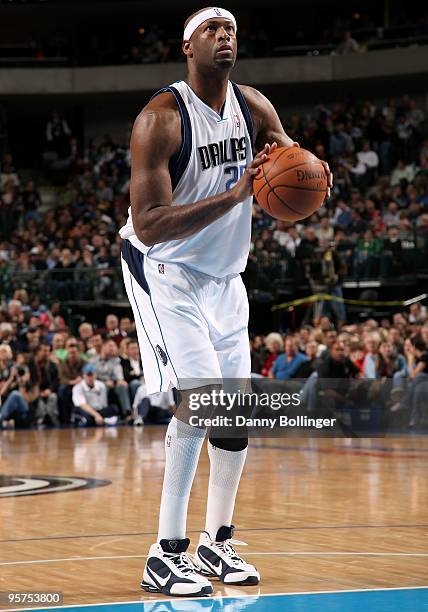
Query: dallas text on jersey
x=216 y=153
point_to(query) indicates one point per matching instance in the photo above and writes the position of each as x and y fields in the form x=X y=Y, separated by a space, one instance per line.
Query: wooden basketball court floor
x=332 y=524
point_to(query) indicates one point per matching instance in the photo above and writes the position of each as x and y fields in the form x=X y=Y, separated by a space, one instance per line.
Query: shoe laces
x=227 y=548
x=183 y=562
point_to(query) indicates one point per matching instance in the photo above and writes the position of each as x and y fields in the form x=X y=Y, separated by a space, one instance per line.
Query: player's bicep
x=153 y=143
x=269 y=128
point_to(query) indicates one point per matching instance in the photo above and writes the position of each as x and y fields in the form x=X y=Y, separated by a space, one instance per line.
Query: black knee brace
x=230 y=444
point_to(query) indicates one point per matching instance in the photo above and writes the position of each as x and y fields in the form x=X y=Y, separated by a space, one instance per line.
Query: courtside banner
x=319 y=407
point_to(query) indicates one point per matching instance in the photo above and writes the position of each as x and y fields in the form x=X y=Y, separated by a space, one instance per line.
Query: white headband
x=209 y=13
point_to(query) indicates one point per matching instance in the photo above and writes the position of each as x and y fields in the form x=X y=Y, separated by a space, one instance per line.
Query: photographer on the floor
x=17 y=406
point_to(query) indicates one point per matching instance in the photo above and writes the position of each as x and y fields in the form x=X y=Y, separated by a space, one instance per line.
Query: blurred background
x=349 y=81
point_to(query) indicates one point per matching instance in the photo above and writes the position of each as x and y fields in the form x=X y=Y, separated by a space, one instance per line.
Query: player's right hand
x=244 y=187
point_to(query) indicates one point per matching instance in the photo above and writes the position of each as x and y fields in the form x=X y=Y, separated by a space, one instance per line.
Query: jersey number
x=236 y=172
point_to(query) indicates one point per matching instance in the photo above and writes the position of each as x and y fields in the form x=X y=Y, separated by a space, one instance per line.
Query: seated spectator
x=367 y=252
x=30 y=339
x=336 y=394
x=289 y=239
x=347 y=45
x=31 y=200
x=95 y=344
x=132 y=367
x=370 y=159
x=154 y=408
x=389 y=361
x=371 y=357
x=109 y=370
x=86 y=331
x=418 y=316
x=396 y=338
x=402 y=171
x=90 y=405
x=306 y=368
x=325 y=230
x=357 y=354
x=329 y=337
x=392 y=214
x=258 y=355
x=111 y=329
x=6 y=362
x=357 y=171
x=70 y=373
x=414 y=399
x=58 y=346
x=47 y=379
x=308 y=244
x=320 y=393
x=342 y=216
x=340 y=142
x=57 y=135
x=17 y=406
x=274 y=345
x=424 y=333
x=286 y=364
x=127 y=328
x=8 y=172
x=336 y=365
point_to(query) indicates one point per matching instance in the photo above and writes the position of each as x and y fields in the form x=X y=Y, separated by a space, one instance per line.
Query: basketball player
x=185 y=244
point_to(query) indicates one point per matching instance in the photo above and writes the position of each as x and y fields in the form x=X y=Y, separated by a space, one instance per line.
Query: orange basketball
x=291 y=184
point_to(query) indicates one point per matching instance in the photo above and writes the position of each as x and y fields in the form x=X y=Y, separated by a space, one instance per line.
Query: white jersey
x=215 y=151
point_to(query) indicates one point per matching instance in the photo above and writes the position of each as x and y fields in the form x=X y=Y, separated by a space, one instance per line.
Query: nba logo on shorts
x=161 y=354
x=217 y=12
x=161 y=268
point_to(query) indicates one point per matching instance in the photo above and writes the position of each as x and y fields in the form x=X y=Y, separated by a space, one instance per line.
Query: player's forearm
x=176 y=222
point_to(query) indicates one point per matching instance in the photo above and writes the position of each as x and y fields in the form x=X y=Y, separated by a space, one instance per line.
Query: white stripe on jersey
x=221 y=149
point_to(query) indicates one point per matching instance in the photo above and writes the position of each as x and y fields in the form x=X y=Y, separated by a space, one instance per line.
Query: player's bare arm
x=268 y=127
x=156 y=137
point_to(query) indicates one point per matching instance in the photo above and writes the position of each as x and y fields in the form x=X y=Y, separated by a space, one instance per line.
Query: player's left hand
x=327 y=171
x=329 y=177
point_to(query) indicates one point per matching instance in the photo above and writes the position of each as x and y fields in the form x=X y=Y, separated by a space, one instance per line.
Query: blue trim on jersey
x=179 y=162
x=245 y=110
x=135 y=260
x=147 y=335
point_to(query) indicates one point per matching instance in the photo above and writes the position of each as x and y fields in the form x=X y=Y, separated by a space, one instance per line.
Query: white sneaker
x=218 y=558
x=169 y=570
x=111 y=421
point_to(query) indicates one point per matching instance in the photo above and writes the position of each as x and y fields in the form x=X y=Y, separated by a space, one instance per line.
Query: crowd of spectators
x=375 y=225
x=140 y=41
x=49 y=377
x=380 y=364
x=59 y=242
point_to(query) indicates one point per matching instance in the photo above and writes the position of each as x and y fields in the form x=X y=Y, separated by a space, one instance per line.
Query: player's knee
x=230 y=444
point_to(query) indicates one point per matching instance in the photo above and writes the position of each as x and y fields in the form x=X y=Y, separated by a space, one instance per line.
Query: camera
x=21 y=371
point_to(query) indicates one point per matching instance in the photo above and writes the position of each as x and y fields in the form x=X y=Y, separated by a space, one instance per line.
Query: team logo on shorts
x=162 y=354
x=161 y=268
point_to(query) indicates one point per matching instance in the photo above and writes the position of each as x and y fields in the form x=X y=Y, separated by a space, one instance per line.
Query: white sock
x=183 y=445
x=225 y=474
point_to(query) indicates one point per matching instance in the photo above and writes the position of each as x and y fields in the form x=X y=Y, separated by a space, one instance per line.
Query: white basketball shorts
x=191 y=326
